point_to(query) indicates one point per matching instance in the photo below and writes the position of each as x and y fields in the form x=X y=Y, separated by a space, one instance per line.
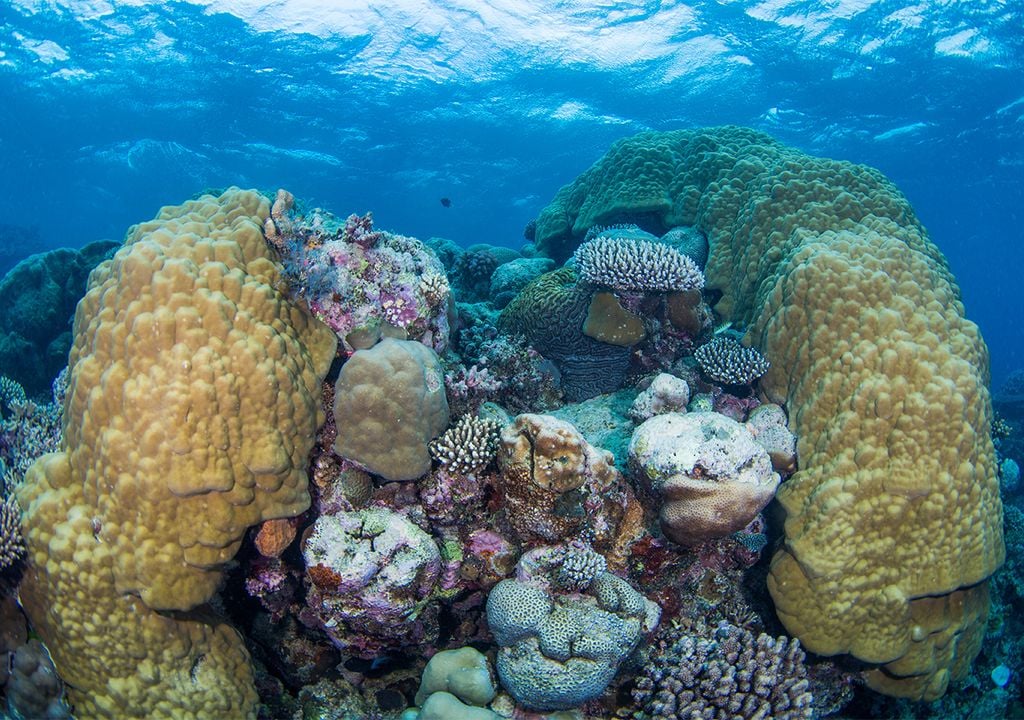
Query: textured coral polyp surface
x=894 y=517
x=192 y=404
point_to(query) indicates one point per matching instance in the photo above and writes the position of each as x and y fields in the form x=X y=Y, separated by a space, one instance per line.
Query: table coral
x=893 y=521
x=192 y=404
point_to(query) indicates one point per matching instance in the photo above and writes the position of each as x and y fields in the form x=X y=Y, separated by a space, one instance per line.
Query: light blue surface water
x=111 y=108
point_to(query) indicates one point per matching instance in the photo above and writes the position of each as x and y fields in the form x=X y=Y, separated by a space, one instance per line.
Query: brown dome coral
x=192 y=404
x=894 y=518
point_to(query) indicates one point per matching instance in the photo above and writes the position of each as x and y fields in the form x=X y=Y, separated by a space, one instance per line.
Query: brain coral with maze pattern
x=893 y=521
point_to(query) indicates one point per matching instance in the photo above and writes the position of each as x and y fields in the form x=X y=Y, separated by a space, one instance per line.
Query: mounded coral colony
x=548 y=481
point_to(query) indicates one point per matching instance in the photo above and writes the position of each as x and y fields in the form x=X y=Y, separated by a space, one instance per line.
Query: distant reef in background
x=37 y=301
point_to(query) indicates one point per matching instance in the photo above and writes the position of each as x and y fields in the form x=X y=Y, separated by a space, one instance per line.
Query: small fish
x=446 y=202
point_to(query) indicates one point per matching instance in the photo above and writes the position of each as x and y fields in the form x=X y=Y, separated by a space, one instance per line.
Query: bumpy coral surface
x=192 y=404
x=389 y=404
x=894 y=517
x=558 y=651
x=707 y=472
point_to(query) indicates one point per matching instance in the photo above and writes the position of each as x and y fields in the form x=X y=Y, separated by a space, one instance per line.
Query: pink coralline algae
x=364 y=283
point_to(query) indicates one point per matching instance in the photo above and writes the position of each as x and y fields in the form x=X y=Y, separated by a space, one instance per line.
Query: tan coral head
x=694 y=509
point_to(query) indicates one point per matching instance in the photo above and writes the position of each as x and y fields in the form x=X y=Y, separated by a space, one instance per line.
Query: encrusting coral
x=893 y=521
x=192 y=404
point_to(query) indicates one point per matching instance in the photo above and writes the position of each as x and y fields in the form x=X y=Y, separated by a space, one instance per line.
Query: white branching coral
x=468 y=446
x=727 y=361
x=12 y=547
x=630 y=264
x=579 y=567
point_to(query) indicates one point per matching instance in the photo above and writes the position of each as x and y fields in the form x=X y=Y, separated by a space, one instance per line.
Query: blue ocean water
x=112 y=108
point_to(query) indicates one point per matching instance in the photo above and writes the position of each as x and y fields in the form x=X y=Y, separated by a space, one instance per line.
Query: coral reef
x=826 y=265
x=468 y=446
x=33 y=689
x=371 y=573
x=463 y=672
x=389 y=403
x=509 y=279
x=723 y=672
x=12 y=546
x=690 y=242
x=557 y=486
x=549 y=313
x=666 y=393
x=192 y=403
x=28 y=429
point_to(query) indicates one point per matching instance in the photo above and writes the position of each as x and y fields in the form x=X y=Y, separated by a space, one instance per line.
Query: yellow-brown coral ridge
x=893 y=522
x=192 y=404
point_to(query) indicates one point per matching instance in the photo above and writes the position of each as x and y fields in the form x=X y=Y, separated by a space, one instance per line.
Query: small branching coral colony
x=301 y=466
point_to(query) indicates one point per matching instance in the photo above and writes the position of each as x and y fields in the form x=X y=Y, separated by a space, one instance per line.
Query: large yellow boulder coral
x=893 y=522
x=192 y=404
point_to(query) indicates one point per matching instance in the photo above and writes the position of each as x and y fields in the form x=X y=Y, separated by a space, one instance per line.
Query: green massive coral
x=893 y=521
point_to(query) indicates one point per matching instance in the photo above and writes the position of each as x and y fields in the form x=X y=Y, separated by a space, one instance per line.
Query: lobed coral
x=192 y=404
x=558 y=651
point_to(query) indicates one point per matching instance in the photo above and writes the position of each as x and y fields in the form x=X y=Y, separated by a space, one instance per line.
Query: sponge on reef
x=192 y=404
x=893 y=521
